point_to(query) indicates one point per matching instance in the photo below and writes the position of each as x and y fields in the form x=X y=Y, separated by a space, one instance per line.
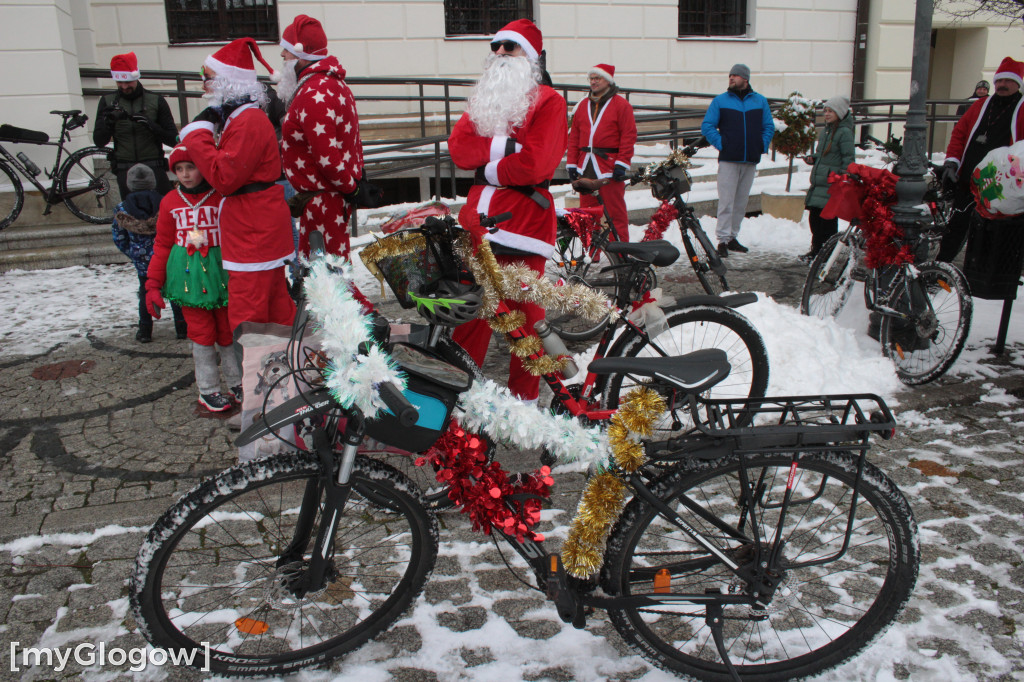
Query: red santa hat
x=525 y=33
x=124 y=67
x=305 y=38
x=234 y=61
x=605 y=71
x=1012 y=69
x=178 y=154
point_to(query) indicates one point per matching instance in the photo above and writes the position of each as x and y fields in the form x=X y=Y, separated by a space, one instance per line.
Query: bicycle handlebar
x=397 y=402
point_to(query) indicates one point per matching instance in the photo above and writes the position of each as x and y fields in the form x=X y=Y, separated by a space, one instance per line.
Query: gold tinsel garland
x=605 y=494
x=504 y=324
x=526 y=346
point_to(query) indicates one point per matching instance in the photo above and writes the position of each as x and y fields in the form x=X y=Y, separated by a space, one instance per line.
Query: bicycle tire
x=703 y=258
x=85 y=167
x=232 y=529
x=568 y=262
x=695 y=328
x=11 y=202
x=861 y=592
x=924 y=352
x=826 y=294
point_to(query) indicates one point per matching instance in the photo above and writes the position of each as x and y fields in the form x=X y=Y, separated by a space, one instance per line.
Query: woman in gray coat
x=833 y=154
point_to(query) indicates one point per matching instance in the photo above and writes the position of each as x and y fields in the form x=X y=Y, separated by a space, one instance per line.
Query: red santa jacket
x=177 y=219
x=524 y=160
x=320 y=143
x=965 y=128
x=609 y=139
x=255 y=225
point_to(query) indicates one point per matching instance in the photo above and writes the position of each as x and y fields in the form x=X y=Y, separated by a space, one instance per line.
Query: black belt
x=603 y=152
x=252 y=187
x=531 y=191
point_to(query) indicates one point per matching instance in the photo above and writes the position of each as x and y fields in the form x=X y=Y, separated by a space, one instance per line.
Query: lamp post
x=912 y=164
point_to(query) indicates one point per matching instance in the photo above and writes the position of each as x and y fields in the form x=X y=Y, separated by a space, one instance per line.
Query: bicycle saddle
x=658 y=252
x=71 y=112
x=15 y=134
x=694 y=372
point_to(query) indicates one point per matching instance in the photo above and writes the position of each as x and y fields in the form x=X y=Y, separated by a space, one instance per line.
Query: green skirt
x=195 y=281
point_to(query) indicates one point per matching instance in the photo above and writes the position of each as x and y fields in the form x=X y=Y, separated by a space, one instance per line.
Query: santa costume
x=601 y=146
x=320 y=143
x=244 y=165
x=513 y=169
x=186 y=269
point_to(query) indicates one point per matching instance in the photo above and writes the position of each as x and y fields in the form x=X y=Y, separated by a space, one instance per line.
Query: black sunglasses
x=509 y=45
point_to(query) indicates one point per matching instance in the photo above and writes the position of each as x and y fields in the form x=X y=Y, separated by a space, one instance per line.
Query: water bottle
x=29 y=165
x=555 y=347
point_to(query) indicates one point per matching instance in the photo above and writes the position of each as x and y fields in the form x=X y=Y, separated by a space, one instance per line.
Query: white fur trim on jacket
x=521 y=242
x=256 y=267
x=194 y=126
x=498 y=143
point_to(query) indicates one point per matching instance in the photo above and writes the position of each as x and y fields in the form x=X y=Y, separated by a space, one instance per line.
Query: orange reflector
x=695 y=259
x=899 y=351
x=662 y=581
x=554 y=563
x=251 y=627
x=945 y=285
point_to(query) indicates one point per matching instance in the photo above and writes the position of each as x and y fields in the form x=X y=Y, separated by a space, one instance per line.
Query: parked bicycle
x=925 y=306
x=83 y=182
x=581 y=253
x=772 y=551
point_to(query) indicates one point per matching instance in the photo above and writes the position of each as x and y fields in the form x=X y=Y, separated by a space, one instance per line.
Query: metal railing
x=661 y=115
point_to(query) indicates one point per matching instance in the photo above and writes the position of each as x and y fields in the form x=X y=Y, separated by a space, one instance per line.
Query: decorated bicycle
x=758 y=543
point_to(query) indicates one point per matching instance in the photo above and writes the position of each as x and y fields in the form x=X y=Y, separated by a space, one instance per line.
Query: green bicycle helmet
x=452 y=304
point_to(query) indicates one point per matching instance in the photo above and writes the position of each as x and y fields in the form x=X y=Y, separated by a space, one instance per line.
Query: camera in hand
x=115 y=114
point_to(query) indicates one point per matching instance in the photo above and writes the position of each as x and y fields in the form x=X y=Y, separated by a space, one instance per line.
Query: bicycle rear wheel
x=89 y=168
x=829 y=280
x=924 y=347
x=12 y=195
x=703 y=257
x=819 y=616
x=690 y=329
x=576 y=264
x=209 y=571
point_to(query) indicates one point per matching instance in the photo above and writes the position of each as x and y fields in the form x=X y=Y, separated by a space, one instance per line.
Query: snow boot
x=145 y=333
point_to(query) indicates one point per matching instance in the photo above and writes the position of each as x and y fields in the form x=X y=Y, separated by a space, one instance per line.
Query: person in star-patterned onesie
x=320 y=143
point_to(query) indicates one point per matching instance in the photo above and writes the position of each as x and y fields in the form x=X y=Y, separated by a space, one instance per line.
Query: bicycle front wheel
x=12 y=195
x=820 y=615
x=88 y=169
x=690 y=329
x=703 y=257
x=829 y=280
x=926 y=345
x=576 y=264
x=211 y=570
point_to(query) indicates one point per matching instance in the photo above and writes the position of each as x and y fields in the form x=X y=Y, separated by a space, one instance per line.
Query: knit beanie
x=741 y=70
x=140 y=178
x=840 y=105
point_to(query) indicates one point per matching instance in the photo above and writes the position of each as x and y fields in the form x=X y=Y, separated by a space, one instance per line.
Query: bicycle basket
x=410 y=261
x=669 y=181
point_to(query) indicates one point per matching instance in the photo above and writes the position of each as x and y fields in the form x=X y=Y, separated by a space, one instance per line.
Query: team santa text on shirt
x=204 y=218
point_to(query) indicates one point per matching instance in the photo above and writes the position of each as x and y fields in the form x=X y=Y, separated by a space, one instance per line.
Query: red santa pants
x=331 y=213
x=614 y=197
x=475 y=336
x=208 y=327
x=259 y=296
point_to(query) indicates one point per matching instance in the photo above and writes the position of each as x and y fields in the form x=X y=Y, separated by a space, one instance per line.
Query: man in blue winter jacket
x=739 y=125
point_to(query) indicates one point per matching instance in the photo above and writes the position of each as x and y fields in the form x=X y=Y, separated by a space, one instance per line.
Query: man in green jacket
x=834 y=153
x=138 y=121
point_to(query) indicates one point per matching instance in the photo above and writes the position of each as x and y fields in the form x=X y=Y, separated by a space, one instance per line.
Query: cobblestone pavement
x=106 y=432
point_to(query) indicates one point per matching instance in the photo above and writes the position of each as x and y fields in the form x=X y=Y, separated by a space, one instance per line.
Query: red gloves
x=154 y=301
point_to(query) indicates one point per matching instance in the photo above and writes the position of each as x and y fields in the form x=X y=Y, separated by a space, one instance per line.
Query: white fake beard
x=289 y=82
x=227 y=91
x=504 y=94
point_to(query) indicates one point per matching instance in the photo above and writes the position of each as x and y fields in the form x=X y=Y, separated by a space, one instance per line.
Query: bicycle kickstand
x=714 y=618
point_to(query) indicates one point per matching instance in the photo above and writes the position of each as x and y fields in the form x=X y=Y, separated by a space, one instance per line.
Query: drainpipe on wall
x=860 y=50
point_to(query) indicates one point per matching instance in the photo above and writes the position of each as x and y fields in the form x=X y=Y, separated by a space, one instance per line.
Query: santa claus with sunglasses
x=513 y=134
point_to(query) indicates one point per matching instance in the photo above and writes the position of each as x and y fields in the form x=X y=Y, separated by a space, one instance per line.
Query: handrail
x=661 y=115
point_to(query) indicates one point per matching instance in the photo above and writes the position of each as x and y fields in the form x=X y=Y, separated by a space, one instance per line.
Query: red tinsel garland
x=876 y=224
x=484 y=489
x=660 y=221
x=583 y=224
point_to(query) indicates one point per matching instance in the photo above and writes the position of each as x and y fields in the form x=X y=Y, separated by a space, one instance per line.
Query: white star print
x=346 y=156
x=300 y=163
x=319 y=129
x=297 y=135
x=324 y=160
x=319 y=97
